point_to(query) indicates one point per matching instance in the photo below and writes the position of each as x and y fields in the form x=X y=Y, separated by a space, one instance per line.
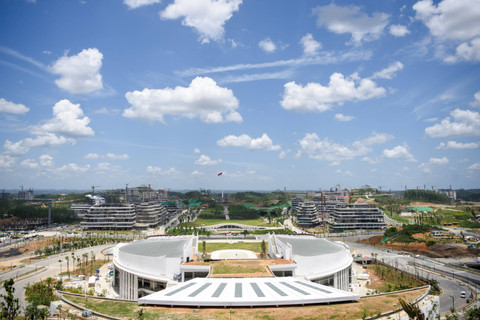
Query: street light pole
x=453 y=302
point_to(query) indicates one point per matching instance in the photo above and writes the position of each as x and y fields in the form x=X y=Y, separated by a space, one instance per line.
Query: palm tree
x=204 y=249
x=60 y=261
x=68 y=267
x=412 y=310
x=264 y=249
x=85 y=256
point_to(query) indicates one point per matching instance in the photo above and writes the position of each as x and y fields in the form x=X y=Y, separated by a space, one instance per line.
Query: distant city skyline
x=272 y=94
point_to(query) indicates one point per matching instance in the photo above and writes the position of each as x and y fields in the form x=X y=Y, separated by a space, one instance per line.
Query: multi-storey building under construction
x=355 y=216
x=110 y=216
x=150 y=214
x=307 y=215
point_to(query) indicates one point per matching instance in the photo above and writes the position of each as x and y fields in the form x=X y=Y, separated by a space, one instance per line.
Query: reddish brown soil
x=439 y=250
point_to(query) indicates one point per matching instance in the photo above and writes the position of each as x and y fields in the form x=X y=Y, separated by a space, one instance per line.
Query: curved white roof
x=310 y=246
x=246 y=292
x=316 y=258
x=156 y=247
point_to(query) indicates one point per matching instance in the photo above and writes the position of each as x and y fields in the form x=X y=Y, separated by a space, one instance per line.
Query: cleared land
x=357 y=310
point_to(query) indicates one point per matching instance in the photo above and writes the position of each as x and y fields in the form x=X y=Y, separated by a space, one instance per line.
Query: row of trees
x=425 y=195
x=68 y=244
x=22 y=210
x=239 y=212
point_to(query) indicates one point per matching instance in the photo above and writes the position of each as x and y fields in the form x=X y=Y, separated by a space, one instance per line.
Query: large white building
x=155 y=271
x=317 y=260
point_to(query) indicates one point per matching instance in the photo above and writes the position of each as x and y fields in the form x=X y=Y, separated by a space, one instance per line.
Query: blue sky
x=295 y=94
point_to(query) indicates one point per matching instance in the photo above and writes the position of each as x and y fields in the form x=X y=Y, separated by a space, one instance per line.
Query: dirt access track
x=439 y=250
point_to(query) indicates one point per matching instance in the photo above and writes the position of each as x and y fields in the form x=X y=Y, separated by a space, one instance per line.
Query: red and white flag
x=229 y=232
x=219 y=174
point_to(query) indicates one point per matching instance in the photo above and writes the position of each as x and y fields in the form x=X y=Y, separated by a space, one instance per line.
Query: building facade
x=307 y=215
x=356 y=216
x=110 y=216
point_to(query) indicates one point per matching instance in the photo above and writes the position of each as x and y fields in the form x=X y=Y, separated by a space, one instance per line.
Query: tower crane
x=93 y=189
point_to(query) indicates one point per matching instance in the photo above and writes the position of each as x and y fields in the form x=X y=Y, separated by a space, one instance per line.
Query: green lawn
x=214 y=246
x=225 y=267
x=209 y=222
x=126 y=310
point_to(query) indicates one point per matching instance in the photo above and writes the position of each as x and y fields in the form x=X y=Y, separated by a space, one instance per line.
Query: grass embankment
x=366 y=307
x=394 y=279
x=210 y=222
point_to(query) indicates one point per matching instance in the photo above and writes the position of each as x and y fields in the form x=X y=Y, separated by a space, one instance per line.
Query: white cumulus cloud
x=398 y=30
x=267 y=45
x=326 y=150
x=313 y=97
x=389 y=72
x=203 y=99
x=159 y=171
x=133 y=4
x=6 y=161
x=29 y=164
x=465 y=123
x=205 y=160
x=44 y=140
x=79 y=73
x=427 y=166
x=46 y=160
x=399 y=152
x=458 y=145
x=262 y=143
x=68 y=119
x=207 y=17
x=343 y=118
x=92 y=156
x=452 y=21
x=476 y=102
x=68 y=123
x=113 y=156
x=310 y=45
x=73 y=168
x=475 y=166
x=352 y=20
x=10 y=107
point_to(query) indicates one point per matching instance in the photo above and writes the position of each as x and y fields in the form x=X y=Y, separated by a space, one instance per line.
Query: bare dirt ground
x=14 y=255
x=347 y=311
x=439 y=250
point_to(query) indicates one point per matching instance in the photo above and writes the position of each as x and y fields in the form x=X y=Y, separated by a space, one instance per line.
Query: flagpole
x=218 y=175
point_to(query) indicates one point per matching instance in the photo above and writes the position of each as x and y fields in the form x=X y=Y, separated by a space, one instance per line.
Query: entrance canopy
x=247 y=292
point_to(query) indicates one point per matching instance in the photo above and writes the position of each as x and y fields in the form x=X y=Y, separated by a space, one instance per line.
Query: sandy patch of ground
x=438 y=250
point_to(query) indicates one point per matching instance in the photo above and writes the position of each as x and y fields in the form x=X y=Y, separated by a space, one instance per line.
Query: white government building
x=154 y=272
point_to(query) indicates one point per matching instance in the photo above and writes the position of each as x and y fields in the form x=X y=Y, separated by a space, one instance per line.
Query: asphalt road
x=48 y=267
x=425 y=268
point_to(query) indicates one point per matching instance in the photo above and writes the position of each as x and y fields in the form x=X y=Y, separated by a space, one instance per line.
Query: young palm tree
x=68 y=267
x=412 y=310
